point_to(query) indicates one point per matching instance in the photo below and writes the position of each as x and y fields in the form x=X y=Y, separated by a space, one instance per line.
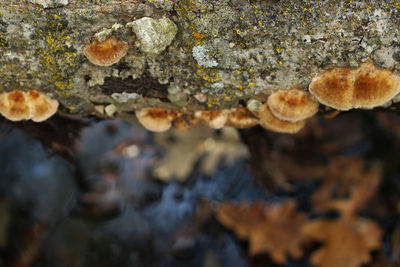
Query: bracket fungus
x=241 y=118
x=18 y=105
x=365 y=87
x=373 y=86
x=216 y=119
x=270 y=122
x=41 y=106
x=292 y=105
x=107 y=52
x=156 y=119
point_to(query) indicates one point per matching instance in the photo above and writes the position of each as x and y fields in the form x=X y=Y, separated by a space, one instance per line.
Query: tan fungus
x=216 y=119
x=18 y=105
x=334 y=88
x=156 y=119
x=366 y=87
x=241 y=118
x=373 y=86
x=270 y=122
x=292 y=105
x=106 y=53
x=41 y=107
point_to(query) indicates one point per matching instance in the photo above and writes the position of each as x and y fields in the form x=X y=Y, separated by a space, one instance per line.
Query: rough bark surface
x=224 y=51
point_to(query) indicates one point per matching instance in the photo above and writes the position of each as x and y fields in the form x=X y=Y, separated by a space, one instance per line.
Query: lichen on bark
x=256 y=47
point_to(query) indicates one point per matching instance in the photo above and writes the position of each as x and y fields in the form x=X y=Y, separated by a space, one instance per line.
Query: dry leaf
x=187 y=147
x=274 y=229
x=347 y=241
x=351 y=179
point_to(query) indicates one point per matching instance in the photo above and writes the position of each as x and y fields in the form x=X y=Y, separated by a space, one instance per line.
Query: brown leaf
x=271 y=228
x=347 y=241
x=348 y=176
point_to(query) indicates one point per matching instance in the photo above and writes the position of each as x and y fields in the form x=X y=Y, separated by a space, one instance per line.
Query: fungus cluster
x=18 y=105
x=159 y=120
x=107 y=52
x=284 y=112
x=365 y=87
x=287 y=110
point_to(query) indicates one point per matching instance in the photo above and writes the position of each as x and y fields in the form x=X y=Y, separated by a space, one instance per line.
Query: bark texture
x=225 y=52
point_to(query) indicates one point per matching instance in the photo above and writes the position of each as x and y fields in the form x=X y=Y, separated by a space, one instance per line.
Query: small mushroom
x=241 y=118
x=155 y=119
x=14 y=106
x=106 y=53
x=334 y=88
x=216 y=119
x=41 y=106
x=292 y=105
x=373 y=86
x=270 y=122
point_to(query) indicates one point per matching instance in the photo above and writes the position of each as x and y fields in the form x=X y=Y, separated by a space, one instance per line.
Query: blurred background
x=82 y=192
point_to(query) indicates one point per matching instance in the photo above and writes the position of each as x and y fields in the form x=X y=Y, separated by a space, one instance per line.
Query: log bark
x=225 y=52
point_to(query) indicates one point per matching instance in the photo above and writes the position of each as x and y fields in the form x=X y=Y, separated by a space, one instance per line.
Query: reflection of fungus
x=241 y=118
x=41 y=107
x=334 y=88
x=216 y=119
x=106 y=53
x=14 y=106
x=155 y=119
x=270 y=122
x=365 y=87
x=184 y=121
x=374 y=87
x=17 y=105
x=292 y=105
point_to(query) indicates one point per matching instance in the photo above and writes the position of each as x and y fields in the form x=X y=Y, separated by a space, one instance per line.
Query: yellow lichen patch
x=56 y=57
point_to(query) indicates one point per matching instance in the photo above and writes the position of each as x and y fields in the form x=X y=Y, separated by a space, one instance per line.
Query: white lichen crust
x=154 y=34
x=50 y=3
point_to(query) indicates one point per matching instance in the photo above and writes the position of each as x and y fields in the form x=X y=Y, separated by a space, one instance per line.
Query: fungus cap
x=270 y=122
x=334 y=88
x=155 y=119
x=373 y=86
x=106 y=53
x=41 y=106
x=216 y=119
x=292 y=105
x=14 y=106
x=241 y=118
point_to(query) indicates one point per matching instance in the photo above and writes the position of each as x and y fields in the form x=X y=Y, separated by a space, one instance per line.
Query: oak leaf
x=270 y=228
x=347 y=242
